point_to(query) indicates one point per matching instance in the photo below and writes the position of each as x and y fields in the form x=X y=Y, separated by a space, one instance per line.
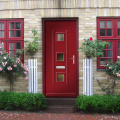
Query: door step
x=61 y=105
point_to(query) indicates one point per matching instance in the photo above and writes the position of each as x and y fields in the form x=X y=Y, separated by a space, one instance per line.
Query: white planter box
x=87 y=76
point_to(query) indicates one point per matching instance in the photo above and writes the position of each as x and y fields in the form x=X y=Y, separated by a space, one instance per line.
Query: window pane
x=118 y=32
x=118 y=52
x=118 y=45
x=1 y=34
x=11 y=46
x=11 y=54
x=109 y=32
x=102 y=61
x=2 y=26
x=18 y=25
x=60 y=57
x=102 y=32
x=109 y=53
x=60 y=37
x=104 y=55
x=109 y=59
x=11 y=25
x=18 y=45
x=110 y=47
x=60 y=77
x=18 y=33
x=109 y=24
x=11 y=33
x=102 y=24
x=118 y=24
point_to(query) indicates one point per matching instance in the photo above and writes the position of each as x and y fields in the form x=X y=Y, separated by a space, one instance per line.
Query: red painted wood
x=68 y=87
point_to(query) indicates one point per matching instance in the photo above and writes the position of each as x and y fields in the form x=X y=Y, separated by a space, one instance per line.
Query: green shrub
x=97 y=103
x=25 y=101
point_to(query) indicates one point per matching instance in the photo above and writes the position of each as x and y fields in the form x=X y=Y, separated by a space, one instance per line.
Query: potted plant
x=93 y=48
x=32 y=47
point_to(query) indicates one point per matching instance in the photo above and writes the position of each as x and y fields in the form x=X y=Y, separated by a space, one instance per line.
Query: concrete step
x=61 y=108
x=61 y=101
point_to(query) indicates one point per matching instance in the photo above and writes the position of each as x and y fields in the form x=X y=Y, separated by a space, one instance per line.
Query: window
x=108 y=29
x=12 y=35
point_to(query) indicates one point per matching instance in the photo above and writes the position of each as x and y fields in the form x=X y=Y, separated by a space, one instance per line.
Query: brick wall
x=32 y=11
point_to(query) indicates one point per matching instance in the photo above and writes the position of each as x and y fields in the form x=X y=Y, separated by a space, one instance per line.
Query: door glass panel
x=118 y=32
x=60 y=77
x=2 y=26
x=60 y=37
x=102 y=61
x=109 y=24
x=18 y=45
x=11 y=33
x=118 y=24
x=11 y=54
x=109 y=32
x=102 y=32
x=118 y=52
x=118 y=45
x=11 y=25
x=18 y=25
x=60 y=57
x=1 y=34
x=109 y=53
x=18 y=33
x=102 y=24
x=11 y=46
x=110 y=47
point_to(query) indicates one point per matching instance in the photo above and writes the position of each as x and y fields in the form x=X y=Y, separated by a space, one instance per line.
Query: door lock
x=73 y=59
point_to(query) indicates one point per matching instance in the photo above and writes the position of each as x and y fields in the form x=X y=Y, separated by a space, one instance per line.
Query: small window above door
x=60 y=37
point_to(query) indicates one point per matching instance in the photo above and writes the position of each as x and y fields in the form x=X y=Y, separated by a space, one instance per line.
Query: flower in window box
x=9 y=68
x=0 y=69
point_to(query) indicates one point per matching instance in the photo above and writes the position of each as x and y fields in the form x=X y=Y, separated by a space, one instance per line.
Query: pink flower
x=26 y=78
x=0 y=69
x=9 y=68
x=110 y=67
x=5 y=58
x=118 y=57
x=25 y=73
x=91 y=38
x=15 y=65
x=107 y=76
x=4 y=64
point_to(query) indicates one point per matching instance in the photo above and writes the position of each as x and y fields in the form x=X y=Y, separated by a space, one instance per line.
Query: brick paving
x=17 y=115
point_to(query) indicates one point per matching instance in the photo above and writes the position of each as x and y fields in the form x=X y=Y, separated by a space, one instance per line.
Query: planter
x=87 y=76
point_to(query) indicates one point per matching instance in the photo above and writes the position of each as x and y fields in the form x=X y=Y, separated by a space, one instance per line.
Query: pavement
x=21 y=115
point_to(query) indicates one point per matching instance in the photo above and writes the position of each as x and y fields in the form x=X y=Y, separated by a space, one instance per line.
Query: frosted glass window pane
x=18 y=25
x=11 y=25
x=60 y=77
x=60 y=37
x=1 y=34
x=11 y=33
x=60 y=57
x=18 y=45
x=18 y=33
x=109 y=24
x=102 y=62
x=2 y=26
x=102 y=24
x=11 y=54
x=11 y=46
x=118 y=24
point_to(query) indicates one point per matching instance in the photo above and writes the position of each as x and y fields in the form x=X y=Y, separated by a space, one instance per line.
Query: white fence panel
x=32 y=76
x=87 y=76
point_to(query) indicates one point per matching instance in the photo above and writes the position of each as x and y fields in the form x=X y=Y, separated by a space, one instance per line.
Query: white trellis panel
x=87 y=76
x=32 y=76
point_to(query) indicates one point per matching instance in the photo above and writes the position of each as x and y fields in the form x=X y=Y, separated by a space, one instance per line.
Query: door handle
x=73 y=59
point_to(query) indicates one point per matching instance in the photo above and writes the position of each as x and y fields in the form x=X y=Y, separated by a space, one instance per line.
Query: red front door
x=61 y=61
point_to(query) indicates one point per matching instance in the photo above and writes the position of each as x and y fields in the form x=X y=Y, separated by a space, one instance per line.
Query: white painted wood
x=87 y=77
x=32 y=76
